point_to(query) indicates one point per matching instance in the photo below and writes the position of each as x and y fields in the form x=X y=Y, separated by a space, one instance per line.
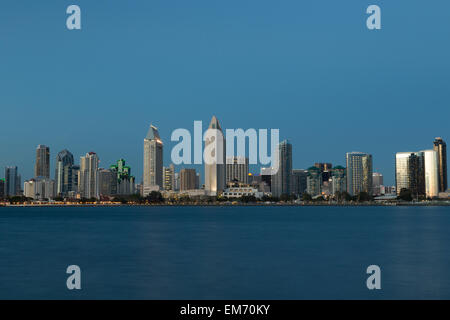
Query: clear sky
x=310 y=68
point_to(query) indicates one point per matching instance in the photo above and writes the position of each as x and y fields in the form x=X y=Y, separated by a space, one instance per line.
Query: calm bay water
x=225 y=252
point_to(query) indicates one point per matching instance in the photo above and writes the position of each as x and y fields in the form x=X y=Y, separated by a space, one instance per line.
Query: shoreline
x=112 y=205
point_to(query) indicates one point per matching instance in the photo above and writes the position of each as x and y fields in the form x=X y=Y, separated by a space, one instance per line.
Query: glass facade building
x=359 y=173
x=281 y=180
x=441 y=148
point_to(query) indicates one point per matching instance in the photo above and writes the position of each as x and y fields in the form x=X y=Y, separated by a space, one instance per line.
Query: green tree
x=364 y=197
x=405 y=195
x=306 y=197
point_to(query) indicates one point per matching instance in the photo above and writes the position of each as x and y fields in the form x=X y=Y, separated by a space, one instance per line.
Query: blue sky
x=310 y=68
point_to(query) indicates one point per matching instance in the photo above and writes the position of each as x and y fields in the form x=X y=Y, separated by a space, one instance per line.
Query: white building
x=153 y=161
x=431 y=173
x=88 y=176
x=242 y=190
x=29 y=189
x=215 y=158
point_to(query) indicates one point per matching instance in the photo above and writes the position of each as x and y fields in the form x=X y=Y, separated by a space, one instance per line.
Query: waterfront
x=234 y=252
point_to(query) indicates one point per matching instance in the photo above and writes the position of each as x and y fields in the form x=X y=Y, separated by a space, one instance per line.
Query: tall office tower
x=339 y=180
x=11 y=181
x=441 y=148
x=64 y=173
x=410 y=172
x=125 y=182
x=377 y=182
x=153 y=161
x=431 y=173
x=188 y=179
x=75 y=179
x=2 y=188
x=42 y=166
x=314 y=182
x=169 y=178
x=107 y=182
x=215 y=178
x=45 y=189
x=299 y=181
x=87 y=184
x=281 y=180
x=237 y=169
x=359 y=173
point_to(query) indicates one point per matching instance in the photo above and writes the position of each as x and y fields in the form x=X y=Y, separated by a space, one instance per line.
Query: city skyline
x=327 y=82
x=153 y=132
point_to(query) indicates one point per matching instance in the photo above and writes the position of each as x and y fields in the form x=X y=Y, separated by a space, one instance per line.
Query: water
x=225 y=252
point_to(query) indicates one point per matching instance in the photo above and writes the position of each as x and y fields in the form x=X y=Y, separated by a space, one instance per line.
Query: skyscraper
x=314 y=181
x=153 y=161
x=215 y=178
x=169 y=178
x=359 y=173
x=64 y=175
x=377 y=182
x=431 y=173
x=124 y=183
x=299 y=181
x=12 y=181
x=188 y=179
x=339 y=180
x=441 y=148
x=87 y=184
x=107 y=182
x=281 y=180
x=42 y=166
x=410 y=172
x=237 y=169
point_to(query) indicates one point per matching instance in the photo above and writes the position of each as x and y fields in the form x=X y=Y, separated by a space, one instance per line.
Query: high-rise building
x=359 y=173
x=410 y=172
x=29 y=188
x=153 y=161
x=339 y=180
x=2 y=188
x=188 y=179
x=431 y=173
x=314 y=182
x=441 y=148
x=87 y=184
x=281 y=180
x=12 y=181
x=237 y=169
x=124 y=183
x=377 y=182
x=169 y=178
x=107 y=182
x=65 y=178
x=215 y=178
x=299 y=181
x=44 y=189
x=42 y=166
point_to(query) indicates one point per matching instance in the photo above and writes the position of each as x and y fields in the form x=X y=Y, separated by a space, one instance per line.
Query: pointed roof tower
x=153 y=133
x=214 y=124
